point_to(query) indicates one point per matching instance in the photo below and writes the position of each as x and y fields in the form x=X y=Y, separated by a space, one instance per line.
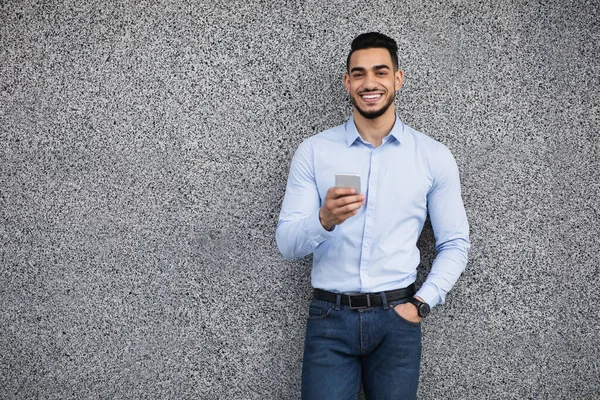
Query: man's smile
x=371 y=97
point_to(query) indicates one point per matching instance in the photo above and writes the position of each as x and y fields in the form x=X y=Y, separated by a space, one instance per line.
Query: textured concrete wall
x=144 y=152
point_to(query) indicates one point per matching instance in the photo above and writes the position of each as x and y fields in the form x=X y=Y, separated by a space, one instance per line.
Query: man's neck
x=374 y=130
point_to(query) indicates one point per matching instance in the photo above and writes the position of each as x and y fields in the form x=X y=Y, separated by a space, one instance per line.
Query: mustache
x=370 y=90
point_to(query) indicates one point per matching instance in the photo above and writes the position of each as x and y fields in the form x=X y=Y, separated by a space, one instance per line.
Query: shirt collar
x=352 y=134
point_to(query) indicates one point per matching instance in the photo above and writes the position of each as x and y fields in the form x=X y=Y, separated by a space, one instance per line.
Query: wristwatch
x=422 y=307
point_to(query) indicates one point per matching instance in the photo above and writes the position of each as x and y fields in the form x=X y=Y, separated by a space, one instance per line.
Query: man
x=364 y=320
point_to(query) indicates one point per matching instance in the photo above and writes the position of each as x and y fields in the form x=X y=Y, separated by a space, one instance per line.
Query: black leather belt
x=365 y=300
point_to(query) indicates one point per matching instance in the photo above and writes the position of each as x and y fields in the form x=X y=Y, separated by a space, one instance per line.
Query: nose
x=370 y=81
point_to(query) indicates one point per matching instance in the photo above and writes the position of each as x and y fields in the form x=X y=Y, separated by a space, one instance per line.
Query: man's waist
x=365 y=300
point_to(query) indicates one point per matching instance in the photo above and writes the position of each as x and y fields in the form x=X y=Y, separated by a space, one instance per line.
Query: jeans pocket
x=400 y=317
x=318 y=311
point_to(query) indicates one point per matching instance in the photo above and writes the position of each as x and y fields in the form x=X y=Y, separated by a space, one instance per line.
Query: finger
x=340 y=192
x=344 y=217
x=350 y=208
x=342 y=201
x=333 y=206
x=338 y=212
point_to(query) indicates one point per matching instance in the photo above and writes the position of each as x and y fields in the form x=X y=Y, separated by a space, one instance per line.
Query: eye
x=357 y=75
x=381 y=73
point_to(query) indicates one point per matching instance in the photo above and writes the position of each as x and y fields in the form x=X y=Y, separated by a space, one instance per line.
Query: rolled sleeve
x=451 y=230
x=299 y=230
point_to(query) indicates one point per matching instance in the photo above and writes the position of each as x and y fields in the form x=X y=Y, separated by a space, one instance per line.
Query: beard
x=372 y=114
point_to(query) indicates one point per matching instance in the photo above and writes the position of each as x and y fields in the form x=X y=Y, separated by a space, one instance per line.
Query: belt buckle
x=359 y=307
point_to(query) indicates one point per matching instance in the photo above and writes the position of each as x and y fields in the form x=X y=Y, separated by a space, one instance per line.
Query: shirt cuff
x=429 y=295
x=315 y=230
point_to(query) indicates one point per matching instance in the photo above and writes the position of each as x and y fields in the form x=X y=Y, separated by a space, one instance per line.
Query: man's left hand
x=409 y=311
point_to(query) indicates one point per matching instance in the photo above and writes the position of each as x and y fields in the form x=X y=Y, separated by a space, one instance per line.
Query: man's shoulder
x=336 y=133
x=322 y=142
x=425 y=142
x=422 y=138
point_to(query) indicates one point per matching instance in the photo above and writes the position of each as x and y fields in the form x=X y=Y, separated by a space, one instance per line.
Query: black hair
x=374 y=40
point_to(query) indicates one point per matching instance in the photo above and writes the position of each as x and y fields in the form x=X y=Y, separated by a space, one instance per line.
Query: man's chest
x=390 y=176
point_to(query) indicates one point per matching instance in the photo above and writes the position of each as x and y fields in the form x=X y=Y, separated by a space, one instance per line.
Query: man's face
x=372 y=82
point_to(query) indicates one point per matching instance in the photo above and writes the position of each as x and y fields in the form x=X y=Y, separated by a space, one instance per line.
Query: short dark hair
x=374 y=40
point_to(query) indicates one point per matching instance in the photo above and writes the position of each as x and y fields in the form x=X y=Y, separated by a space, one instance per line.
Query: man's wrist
x=423 y=308
x=324 y=224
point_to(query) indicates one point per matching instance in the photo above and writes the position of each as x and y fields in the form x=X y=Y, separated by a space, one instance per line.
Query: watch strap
x=422 y=307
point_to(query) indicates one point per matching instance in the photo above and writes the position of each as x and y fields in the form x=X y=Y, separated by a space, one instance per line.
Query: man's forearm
x=300 y=237
x=445 y=271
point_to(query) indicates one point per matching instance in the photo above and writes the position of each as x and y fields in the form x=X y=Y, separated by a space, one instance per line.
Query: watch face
x=424 y=309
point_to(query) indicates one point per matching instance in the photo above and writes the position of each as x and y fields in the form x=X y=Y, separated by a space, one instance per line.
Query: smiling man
x=364 y=323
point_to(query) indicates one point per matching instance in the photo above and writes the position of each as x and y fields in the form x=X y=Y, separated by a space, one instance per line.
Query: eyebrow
x=375 y=68
x=378 y=67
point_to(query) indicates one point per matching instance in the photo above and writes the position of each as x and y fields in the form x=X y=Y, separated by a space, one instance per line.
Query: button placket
x=369 y=220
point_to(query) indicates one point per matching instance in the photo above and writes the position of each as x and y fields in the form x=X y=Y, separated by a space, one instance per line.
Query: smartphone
x=348 y=181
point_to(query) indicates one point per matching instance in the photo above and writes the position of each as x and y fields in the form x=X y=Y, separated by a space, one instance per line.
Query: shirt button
x=373 y=182
x=366 y=245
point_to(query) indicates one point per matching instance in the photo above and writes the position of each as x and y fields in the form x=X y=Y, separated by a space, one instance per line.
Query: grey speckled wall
x=144 y=152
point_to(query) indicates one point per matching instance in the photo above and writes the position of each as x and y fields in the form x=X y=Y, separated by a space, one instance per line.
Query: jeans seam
x=358 y=382
x=320 y=317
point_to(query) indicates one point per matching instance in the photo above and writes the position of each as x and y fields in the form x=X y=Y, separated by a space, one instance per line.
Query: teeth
x=371 y=96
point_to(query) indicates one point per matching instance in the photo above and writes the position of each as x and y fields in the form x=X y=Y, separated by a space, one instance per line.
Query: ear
x=347 y=82
x=399 y=77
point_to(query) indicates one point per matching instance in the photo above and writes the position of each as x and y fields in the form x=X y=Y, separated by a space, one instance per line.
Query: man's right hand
x=340 y=204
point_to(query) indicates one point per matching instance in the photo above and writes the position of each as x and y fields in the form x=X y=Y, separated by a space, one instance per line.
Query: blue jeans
x=345 y=347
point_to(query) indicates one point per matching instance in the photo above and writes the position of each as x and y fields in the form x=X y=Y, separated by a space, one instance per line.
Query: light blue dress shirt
x=403 y=179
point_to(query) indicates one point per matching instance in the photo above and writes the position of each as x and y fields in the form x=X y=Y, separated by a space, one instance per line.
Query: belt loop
x=338 y=302
x=384 y=301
